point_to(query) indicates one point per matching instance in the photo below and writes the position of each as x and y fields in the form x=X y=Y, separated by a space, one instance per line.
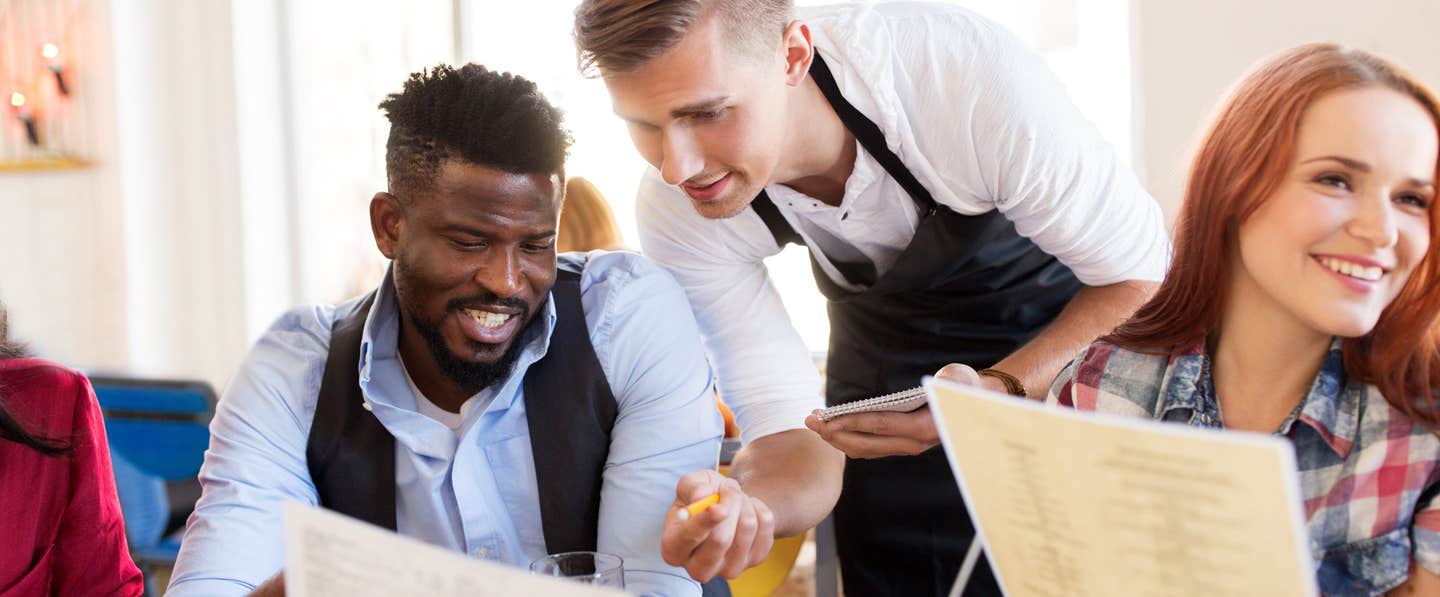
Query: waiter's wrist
x=1013 y=385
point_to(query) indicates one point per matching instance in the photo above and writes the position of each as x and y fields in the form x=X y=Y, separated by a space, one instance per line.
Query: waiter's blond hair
x=617 y=36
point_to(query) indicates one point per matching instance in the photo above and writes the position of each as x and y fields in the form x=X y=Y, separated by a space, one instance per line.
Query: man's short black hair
x=472 y=113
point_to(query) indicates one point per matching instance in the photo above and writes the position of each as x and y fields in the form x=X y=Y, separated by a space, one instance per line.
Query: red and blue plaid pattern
x=1369 y=474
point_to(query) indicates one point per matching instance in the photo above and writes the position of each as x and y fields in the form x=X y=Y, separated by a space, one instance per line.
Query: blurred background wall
x=1188 y=54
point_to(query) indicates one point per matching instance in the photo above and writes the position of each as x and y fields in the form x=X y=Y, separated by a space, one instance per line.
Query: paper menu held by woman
x=1079 y=504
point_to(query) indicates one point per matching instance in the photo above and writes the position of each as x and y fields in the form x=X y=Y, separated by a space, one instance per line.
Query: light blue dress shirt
x=473 y=490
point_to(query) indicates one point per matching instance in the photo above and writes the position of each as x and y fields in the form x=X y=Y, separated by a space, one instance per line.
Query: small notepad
x=902 y=401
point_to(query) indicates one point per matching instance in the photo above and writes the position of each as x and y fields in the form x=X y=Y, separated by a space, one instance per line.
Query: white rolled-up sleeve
x=762 y=365
x=1000 y=129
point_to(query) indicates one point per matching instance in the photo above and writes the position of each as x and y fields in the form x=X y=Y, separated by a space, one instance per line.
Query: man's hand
x=880 y=434
x=725 y=539
x=275 y=587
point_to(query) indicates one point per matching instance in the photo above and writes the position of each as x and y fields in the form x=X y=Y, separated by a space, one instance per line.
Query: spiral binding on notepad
x=870 y=404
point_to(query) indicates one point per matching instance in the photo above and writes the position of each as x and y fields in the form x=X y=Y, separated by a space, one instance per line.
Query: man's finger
x=764 y=533
x=821 y=428
x=959 y=373
x=697 y=485
x=919 y=424
x=859 y=444
x=737 y=558
x=709 y=555
x=677 y=541
x=813 y=421
x=682 y=537
x=865 y=445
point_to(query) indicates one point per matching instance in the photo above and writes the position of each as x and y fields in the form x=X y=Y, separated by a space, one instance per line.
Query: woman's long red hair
x=1241 y=161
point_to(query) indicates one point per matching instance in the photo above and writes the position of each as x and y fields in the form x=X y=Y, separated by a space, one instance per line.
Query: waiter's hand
x=880 y=434
x=725 y=539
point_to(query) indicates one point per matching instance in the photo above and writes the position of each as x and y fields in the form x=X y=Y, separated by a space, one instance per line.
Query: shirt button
x=481 y=552
x=366 y=406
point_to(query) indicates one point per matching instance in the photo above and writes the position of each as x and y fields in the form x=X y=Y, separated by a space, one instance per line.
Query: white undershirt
x=455 y=421
x=875 y=221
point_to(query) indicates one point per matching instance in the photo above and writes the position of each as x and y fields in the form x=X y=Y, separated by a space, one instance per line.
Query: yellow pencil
x=698 y=506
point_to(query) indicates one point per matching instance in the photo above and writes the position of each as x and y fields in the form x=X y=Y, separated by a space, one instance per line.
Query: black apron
x=568 y=406
x=967 y=289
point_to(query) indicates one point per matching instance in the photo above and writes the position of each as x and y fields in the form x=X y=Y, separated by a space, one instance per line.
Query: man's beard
x=736 y=201
x=471 y=377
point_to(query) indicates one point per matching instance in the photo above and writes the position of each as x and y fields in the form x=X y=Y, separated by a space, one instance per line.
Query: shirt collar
x=863 y=175
x=387 y=391
x=1331 y=407
x=1184 y=375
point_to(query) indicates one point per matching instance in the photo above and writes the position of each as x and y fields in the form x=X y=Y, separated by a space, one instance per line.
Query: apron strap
x=782 y=231
x=869 y=135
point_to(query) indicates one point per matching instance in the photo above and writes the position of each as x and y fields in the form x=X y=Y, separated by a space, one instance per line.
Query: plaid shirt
x=1368 y=473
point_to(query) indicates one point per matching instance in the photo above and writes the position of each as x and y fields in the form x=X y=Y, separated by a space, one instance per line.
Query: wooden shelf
x=43 y=165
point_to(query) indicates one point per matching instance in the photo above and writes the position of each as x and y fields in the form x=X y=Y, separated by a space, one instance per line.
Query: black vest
x=967 y=289
x=568 y=404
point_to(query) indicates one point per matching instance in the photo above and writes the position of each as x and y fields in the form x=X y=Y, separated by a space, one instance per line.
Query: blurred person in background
x=586 y=221
x=61 y=532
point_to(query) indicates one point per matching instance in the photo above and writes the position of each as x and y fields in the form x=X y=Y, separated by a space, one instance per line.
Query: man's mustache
x=482 y=302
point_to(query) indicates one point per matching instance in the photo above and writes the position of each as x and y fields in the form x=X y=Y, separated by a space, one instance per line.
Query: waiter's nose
x=680 y=159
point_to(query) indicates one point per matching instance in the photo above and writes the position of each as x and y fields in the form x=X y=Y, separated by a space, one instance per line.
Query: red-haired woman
x=1301 y=301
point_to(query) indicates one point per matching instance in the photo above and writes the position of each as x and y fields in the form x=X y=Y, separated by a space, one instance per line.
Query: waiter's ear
x=798 y=52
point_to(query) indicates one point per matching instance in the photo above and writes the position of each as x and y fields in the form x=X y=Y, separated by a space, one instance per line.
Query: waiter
x=960 y=213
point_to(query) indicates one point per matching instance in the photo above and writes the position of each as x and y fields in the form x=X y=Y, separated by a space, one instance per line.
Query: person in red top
x=60 y=526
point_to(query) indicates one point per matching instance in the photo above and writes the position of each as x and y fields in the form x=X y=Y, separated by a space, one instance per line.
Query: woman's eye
x=1414 y=200
x=1334 y=180
x=708 y=115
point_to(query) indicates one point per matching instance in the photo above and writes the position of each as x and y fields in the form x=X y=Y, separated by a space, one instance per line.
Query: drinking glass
x=589 y=567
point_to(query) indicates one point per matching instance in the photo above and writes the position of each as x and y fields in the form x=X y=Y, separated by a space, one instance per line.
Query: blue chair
x=158 y=431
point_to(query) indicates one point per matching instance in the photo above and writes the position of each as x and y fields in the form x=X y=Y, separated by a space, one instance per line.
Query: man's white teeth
x=487 y=319
x=1352 y=269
